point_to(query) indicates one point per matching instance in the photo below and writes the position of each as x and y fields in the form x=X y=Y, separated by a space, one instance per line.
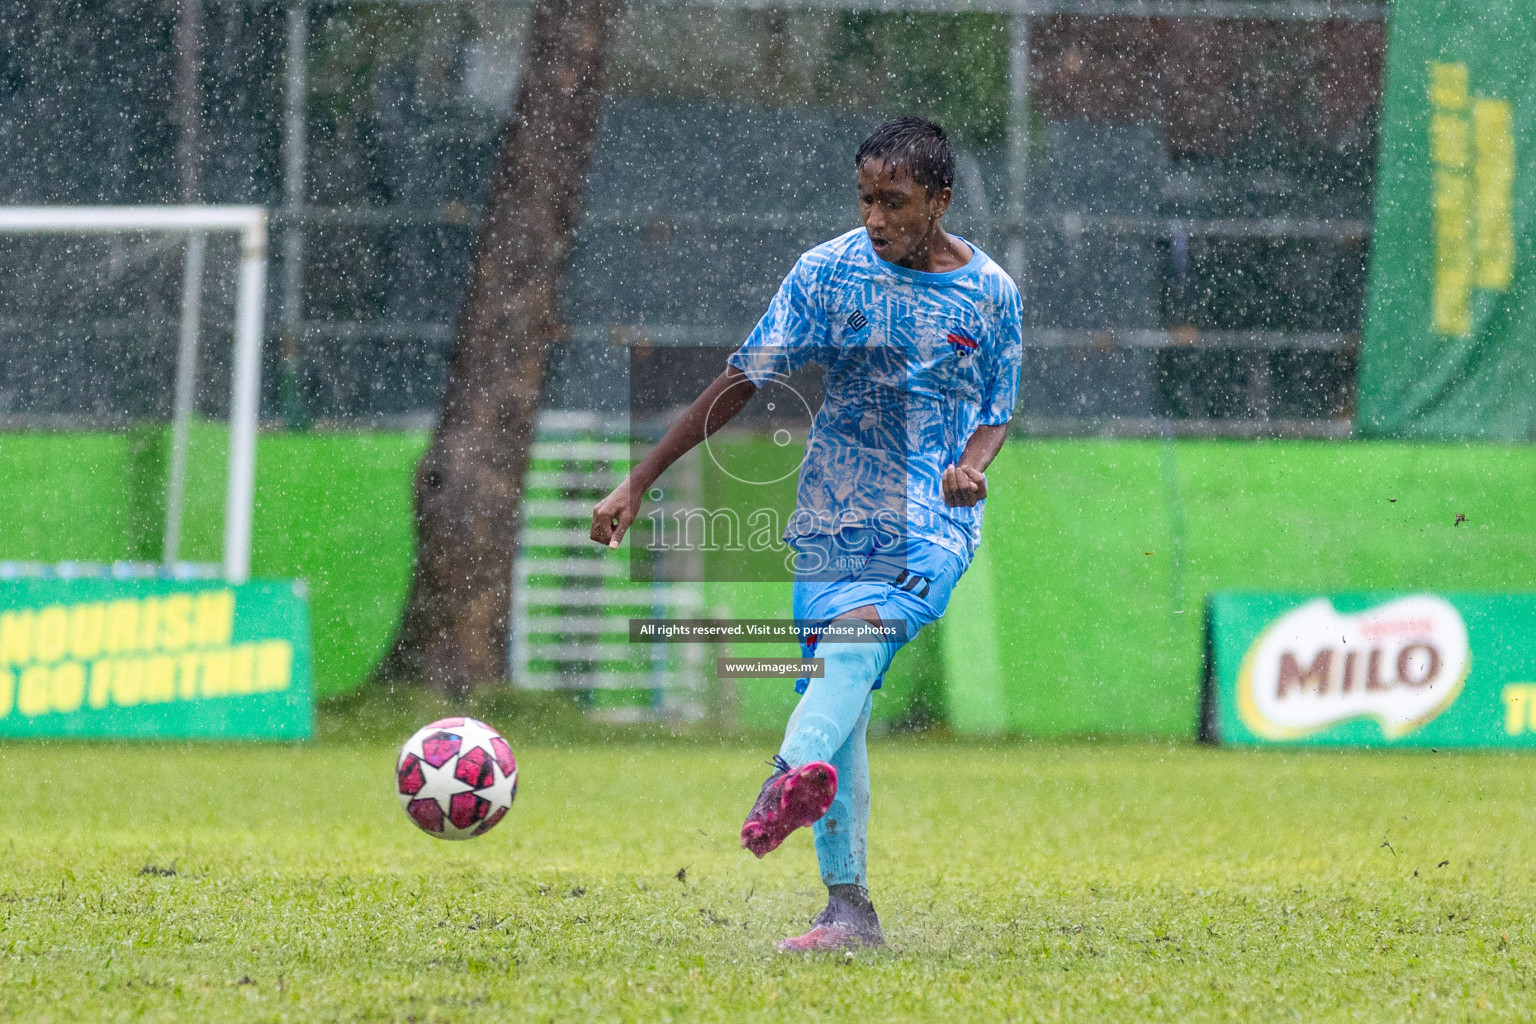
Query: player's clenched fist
x=612 y=516
x=963 y=486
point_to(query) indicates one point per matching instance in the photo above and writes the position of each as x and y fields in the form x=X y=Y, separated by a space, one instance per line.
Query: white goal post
x=193 y=222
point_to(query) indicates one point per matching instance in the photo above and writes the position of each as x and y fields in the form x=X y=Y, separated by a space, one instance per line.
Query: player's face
x=898 y=213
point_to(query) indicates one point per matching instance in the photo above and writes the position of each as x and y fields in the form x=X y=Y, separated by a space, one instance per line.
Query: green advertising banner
x=1371 y=670
x=152 y=658
x=1450 y=332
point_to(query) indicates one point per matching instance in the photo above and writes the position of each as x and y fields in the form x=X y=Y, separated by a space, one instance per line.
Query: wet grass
x=1021 y=882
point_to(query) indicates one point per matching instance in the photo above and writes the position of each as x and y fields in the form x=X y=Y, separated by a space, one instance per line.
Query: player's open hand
x=963 y=486
x=614 y=514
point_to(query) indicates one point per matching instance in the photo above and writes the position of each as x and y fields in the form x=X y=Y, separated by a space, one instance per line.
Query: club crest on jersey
x=963 y=344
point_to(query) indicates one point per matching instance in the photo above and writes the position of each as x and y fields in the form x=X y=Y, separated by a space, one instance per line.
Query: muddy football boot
x=846 y=924
x=791 y=798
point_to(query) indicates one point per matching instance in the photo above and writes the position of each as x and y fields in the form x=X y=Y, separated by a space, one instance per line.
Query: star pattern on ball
x=470 y=789
x=503 y=789
x=439 y=784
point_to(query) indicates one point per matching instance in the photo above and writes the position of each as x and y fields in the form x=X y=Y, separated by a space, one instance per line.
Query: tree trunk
x=453 y=631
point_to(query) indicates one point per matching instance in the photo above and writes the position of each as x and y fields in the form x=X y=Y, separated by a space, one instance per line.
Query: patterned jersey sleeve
x=1006 y=356
x=792 y=333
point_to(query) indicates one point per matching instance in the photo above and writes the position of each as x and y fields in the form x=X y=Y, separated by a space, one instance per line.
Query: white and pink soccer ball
x=456 y=778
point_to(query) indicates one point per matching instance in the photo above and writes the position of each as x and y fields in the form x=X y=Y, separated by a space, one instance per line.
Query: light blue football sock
x=842 y=833
x=830 y=724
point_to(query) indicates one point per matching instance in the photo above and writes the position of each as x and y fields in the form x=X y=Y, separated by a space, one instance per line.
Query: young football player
x=919 y=335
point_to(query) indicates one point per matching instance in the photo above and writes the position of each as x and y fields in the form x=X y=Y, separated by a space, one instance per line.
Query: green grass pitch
x=1018 y=882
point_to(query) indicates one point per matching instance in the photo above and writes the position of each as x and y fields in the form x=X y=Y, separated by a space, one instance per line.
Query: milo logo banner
x=1379 y=670
x=154 y=658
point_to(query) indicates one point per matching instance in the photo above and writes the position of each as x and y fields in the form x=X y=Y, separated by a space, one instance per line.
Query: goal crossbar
x=250 y=222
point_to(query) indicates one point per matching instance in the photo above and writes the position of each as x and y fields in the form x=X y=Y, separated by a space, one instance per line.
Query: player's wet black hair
x=918 y=146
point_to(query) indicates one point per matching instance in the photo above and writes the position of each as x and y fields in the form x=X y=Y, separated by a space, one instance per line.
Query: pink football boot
x=791 y=798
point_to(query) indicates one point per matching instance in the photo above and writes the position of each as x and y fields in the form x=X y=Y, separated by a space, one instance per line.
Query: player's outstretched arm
x=726 y=396
x=965 y=482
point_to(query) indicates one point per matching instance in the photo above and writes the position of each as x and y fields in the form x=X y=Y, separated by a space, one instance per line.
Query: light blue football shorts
x=907 y=581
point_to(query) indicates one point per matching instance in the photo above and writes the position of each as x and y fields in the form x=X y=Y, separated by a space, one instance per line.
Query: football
x=456 y=778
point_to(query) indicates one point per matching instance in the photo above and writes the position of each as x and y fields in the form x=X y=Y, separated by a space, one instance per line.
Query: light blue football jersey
x=914 y=363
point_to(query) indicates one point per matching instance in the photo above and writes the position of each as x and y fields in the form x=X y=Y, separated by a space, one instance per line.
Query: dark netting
x=89 y=329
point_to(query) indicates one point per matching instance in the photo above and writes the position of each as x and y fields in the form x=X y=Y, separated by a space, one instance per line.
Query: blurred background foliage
x=950 y=68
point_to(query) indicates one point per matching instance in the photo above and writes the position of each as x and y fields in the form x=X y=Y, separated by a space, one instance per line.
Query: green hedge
x=1082 y=614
